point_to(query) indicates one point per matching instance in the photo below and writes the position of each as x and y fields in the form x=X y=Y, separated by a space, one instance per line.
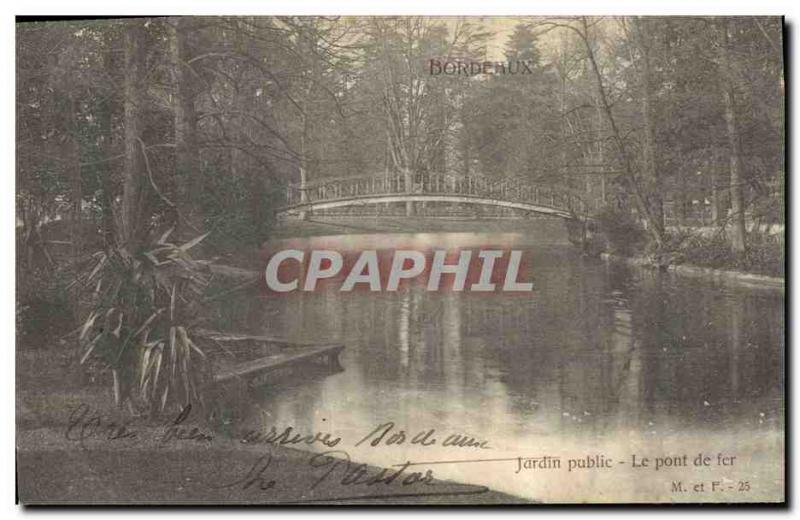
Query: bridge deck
x=362 y=200
x=512 y=192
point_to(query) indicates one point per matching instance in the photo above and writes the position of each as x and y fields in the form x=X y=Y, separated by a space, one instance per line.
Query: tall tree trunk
x=76 y=194
x=729 y=97
x=73 y=154
x=466 y=156
x=649 y=148
x=629 y=176
x=308 y=154
x=439 y=159
x=106 y=184
x=601 y=155
x=562 y=107
x=715 y=202
x=304 y=150
x=133 y=224
x=104 y=121
x=682 y=196
x=187 y=164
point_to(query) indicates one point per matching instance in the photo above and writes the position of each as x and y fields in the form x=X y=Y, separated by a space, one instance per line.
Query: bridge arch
x=513 y=193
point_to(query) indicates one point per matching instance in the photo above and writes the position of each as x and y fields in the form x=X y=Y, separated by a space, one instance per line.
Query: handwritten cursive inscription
x=387 y=434
x=84 y=424
x=288 y=437
x=358 y=474
x=175 y=431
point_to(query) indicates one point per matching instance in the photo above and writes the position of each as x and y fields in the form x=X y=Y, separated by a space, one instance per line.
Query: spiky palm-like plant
x=143 y=308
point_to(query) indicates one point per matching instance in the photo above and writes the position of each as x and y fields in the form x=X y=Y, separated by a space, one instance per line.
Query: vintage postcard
x=400 y=260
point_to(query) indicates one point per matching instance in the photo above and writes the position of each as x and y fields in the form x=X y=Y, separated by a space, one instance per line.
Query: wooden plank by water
x=327 y=354
x=273 y=340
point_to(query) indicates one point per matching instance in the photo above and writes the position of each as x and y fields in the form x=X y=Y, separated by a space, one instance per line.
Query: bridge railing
x=511 y=189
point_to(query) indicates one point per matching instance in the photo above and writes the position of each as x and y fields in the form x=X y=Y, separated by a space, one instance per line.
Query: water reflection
x=598 y=355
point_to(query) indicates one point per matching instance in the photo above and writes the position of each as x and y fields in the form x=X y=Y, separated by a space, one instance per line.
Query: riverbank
x=94 y=463
x=740 y=278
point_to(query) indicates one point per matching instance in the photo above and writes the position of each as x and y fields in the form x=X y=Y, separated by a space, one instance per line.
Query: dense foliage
x=127 y=128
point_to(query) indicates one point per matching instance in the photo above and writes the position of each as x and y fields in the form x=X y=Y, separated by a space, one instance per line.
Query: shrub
x=764 y=254
x=622 y=231
x=43 y=309
x=706 y=251
x=143 y=309
x=237 y=211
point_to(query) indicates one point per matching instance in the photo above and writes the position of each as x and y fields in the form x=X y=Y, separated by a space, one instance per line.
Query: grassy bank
x=764 y=254
x=756 y=281
x=621 y=235
x=53 y=471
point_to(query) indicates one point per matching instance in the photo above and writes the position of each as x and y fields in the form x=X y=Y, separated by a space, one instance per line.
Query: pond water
x=600 y=360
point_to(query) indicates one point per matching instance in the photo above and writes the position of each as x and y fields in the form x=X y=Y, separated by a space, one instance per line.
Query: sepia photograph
x=400 y=260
